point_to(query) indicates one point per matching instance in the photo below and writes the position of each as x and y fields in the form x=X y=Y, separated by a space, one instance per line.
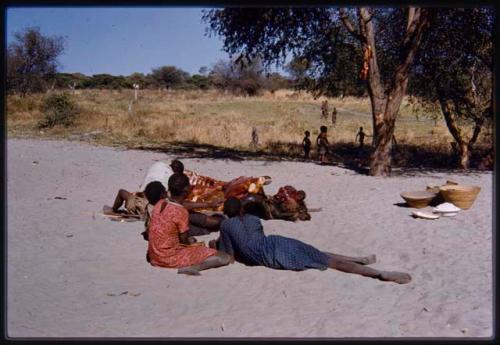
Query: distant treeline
x=32 y=66
x=222 y=76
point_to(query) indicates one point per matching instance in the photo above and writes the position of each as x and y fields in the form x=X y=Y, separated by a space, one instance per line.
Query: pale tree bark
x=385 y=105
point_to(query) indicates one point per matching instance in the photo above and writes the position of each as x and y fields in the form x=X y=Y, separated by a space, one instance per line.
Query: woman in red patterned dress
x=168 y=238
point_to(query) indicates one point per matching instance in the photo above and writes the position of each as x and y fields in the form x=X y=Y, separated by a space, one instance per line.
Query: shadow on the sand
x=407 y=160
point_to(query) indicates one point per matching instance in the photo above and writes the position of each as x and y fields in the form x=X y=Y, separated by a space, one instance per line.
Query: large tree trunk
x=385 y=108
x=384 y=123
x=464 y=156
x=375 y=87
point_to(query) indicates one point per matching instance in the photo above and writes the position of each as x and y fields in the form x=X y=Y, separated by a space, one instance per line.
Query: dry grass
x=219 y=119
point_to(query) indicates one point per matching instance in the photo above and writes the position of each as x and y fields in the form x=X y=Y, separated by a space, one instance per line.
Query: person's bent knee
x=224 y=258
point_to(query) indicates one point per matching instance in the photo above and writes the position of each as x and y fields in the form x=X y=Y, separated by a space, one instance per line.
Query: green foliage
x=58 y=109
x=32 y=61
x=170 y=77
x=198 y=81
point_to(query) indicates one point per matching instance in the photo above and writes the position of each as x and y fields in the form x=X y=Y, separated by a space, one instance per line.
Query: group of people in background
x=325 y=111
x=322 y=144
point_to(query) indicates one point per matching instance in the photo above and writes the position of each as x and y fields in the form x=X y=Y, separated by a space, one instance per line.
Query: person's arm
x=182 y=222
x=122 y=196
x=357 y=135
x=224 y=243
x=190 y=205
x=184 y=238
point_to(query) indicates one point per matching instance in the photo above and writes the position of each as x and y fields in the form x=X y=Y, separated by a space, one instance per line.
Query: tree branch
x=349 y=26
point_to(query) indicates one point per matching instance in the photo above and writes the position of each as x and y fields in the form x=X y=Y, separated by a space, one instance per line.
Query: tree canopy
x=32 y=60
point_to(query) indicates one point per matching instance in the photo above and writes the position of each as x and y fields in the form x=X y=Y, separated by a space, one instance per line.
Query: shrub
x=58 y=109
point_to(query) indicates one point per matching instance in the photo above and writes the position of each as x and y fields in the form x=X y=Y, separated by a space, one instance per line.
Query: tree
x=137 y=78
x=199 y=81
x=32 y=60
x=275 y=81
x=273 y=32
x=238 y=75
x=457 y=73
x=169 y=76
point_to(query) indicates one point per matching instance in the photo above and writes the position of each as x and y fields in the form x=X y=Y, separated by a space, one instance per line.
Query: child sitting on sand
x=306 y=143
x=242 y=237
x=169 y=244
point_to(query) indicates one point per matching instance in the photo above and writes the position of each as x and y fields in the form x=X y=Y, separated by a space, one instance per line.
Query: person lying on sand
x=136 y=203
x=169 y=244
x=242 y=236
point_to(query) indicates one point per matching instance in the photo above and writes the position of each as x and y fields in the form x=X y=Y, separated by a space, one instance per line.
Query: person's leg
x=362 y=260
x=352 y=267
x=214 y=261
x=120 y=198
x=213 y=223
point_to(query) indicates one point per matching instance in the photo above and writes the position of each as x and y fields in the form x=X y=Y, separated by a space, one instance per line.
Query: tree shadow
x=408 y=159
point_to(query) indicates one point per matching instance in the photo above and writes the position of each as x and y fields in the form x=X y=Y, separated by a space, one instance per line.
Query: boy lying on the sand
x=242 y=237
x=169 y=244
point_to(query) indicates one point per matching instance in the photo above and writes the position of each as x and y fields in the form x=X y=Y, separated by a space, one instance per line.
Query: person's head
x=178 y=185
x=177 y=166
x=307 y=133
x=232 y=207
x=155 y=191
x=361 y=129
x=323 y=129
x=255 y=208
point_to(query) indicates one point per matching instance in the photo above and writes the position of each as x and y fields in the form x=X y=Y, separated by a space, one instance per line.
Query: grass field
x=222 y=120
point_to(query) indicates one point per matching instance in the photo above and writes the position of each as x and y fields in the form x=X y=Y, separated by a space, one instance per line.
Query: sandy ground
x=73 y=273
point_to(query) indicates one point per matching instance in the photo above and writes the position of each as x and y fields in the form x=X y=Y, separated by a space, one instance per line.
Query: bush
x=58 y=109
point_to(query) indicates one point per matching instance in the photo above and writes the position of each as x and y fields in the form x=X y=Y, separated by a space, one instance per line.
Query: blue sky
x=120 y=40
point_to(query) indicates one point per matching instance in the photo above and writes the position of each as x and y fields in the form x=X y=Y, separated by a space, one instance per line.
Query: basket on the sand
x=418 y=199
x=460 y=195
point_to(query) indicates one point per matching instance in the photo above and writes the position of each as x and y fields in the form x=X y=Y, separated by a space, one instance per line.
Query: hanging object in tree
x=367 y=54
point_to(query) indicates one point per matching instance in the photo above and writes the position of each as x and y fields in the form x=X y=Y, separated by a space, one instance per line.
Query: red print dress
x=164 y=248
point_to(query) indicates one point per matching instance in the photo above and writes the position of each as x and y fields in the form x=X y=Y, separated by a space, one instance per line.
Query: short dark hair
x=177 y=166
x=323 y=129
x=232 y=207
x=154 y=191
x=307 y=133
x=255 y=208
x=177 y=183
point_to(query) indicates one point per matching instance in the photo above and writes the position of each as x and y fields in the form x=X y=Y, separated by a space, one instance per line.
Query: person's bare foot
x=189 y=271
x=212 y=244
x=370 y=259
x=397 y=277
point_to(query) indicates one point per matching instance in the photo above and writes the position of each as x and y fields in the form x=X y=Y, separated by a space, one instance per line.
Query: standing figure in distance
x=323 y=144
x=334 y=116
x=306 y=144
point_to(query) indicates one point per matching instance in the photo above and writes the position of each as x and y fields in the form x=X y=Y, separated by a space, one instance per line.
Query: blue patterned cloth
x=244 y=238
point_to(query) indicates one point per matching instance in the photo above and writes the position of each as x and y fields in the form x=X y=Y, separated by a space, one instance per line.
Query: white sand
x=63 y=263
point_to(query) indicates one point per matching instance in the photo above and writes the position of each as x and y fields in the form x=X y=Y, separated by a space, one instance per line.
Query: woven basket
x=418 y=199
x=460 y=195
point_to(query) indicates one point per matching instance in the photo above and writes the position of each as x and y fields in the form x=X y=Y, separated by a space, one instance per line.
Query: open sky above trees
x=120 y=40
